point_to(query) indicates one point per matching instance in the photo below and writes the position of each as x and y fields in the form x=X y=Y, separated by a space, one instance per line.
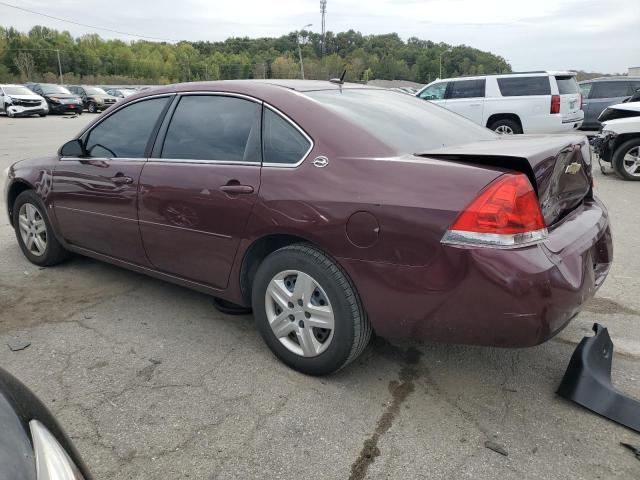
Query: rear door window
x=567 y=85
x=282 y=142
x=467 y=89
x=434 y=92
x=210 y=127
x=523 y=86
x=610 y=90
x=126 y=132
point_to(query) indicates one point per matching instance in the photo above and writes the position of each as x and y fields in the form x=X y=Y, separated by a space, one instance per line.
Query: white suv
x=533 y=102
x=19 y=100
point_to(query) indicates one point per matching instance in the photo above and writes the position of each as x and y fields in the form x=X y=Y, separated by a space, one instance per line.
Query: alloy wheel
x=299 y=313
x=33 y=229
x=504 y=130
x=631 y=161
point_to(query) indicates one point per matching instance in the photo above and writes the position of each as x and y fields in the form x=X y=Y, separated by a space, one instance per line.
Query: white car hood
x=631 y=106
x=25 y=97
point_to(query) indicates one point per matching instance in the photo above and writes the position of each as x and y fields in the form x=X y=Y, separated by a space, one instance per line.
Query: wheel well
x=500 y=116
x=16 y=189
x=256 y=253
x=624 y=137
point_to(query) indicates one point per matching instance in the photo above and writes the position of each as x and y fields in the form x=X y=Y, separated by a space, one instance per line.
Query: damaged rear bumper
x=587 y=381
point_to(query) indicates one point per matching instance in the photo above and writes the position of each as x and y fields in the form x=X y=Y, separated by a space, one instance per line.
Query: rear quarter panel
x=413 y=200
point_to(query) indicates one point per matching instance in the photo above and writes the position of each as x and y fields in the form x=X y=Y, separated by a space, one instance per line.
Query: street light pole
x=60 y=67
x=300 y=51
x=446 y=51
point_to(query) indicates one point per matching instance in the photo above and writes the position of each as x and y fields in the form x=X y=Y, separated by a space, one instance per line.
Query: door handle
x=236 y=189
x=475 y=104
x=121 y=179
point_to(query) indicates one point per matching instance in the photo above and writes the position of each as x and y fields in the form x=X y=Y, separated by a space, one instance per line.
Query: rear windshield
x=17 y=91
x=405 y=123
x=521 y=86
x=567 y=85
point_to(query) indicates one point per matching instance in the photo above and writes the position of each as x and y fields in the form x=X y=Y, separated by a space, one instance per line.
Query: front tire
x=92 y=108
x=626 y=160
x=9 y=113
x=506 y=126
x=34 y=232
x=307 y=310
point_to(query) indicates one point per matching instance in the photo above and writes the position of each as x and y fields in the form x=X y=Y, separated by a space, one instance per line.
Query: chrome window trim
x=218 y=93
x=297 y=127
x=201 y=161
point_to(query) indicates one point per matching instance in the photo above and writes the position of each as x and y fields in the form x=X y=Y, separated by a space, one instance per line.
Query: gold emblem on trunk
x=573 y=168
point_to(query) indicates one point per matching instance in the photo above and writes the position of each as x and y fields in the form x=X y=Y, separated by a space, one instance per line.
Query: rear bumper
x=482 y=296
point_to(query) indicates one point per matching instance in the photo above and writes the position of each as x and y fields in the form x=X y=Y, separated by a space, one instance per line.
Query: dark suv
x=600 y=93
x=59 y=98
x=94 y=99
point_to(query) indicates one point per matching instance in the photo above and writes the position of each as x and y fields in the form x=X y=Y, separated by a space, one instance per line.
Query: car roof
x=617 y=78
x=291 y=84
x=11 y=85
x=514 y=74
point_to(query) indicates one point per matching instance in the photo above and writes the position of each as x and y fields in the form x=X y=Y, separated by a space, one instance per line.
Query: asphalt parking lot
x=151 y=382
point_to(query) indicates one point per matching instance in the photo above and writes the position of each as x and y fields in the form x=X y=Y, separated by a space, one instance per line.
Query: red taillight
x=505 y=214
x=555 y=103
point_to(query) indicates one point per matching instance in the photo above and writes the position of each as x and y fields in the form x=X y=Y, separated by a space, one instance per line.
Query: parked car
x=120 y=92
x=32 y=444
x=332 y=210
x=59 y=99
x=533 y=102
x=94 y=99
x=619 y=141
x=18 y=100
x=600 y=93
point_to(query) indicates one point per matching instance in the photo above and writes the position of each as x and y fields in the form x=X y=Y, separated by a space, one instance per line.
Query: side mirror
x=73 y=148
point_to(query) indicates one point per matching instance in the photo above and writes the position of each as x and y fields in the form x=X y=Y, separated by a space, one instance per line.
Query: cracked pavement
x=150 y=381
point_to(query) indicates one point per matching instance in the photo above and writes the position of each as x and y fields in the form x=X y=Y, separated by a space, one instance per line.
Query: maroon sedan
x=332 y=210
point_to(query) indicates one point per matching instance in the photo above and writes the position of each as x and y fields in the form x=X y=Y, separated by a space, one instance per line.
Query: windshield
x=94 y=91
x=406 y=123
x=17 y=91
x=126 y=92
x=53 y=89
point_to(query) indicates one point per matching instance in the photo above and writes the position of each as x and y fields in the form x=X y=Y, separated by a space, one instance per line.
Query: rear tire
x=34 y=231
x=623 y=160
x=325 y=296
x=506 y=126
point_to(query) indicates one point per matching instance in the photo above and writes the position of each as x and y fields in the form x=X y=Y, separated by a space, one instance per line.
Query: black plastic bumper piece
x=587 y=381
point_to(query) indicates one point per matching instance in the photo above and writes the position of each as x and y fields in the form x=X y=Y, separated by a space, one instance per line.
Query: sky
x=591 y=35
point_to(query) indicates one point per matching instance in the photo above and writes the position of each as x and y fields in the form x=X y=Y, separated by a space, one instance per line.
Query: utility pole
x=323 y=11
x=300 y=51
x=60 y=67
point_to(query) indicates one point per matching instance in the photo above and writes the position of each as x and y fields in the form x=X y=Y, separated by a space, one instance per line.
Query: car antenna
x=340 y=80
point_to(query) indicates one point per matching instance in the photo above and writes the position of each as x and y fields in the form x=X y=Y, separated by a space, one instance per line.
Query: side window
x=467 y=89
x=585 y=88
x=209 y=127
x=523 y=86
x=610 y=90
x=125 y=133
x=434 y=92
x=282 y=142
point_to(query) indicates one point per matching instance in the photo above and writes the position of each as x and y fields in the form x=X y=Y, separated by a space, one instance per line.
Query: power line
x=85 y=25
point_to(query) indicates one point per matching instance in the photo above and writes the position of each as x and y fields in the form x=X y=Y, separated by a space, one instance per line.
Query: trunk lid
x=559 y=167
x=570 y=97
